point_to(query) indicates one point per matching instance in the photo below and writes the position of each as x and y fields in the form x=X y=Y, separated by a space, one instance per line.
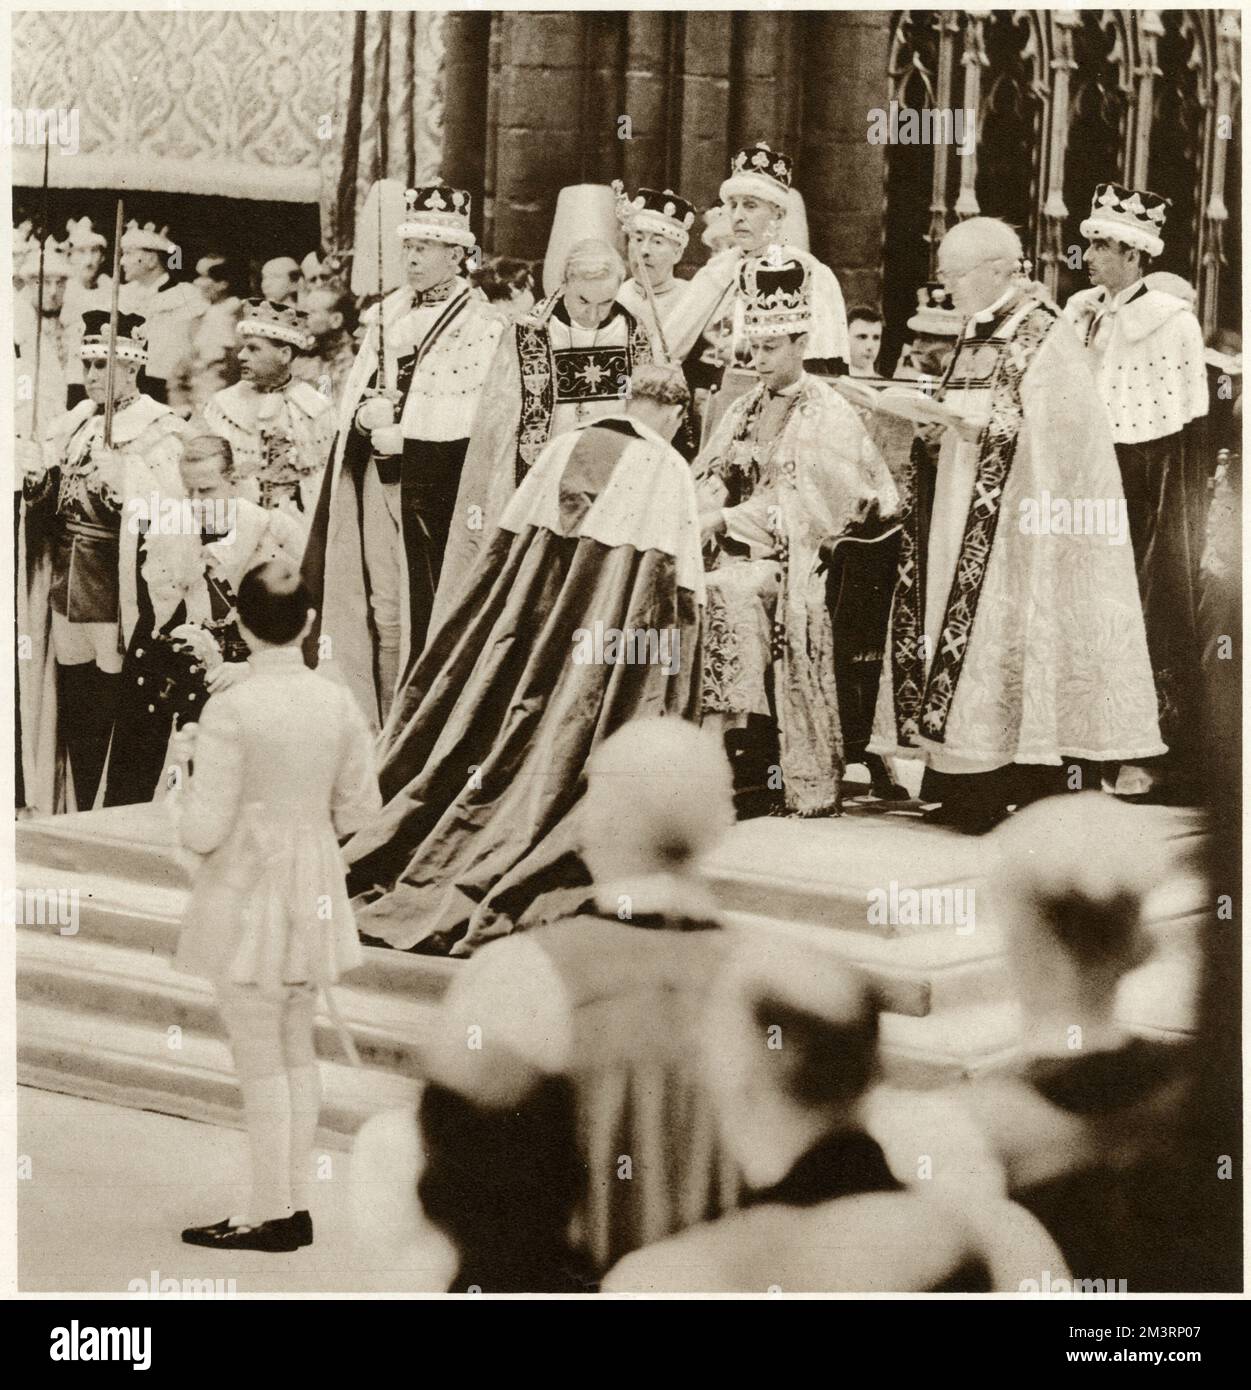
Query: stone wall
x=695 y=87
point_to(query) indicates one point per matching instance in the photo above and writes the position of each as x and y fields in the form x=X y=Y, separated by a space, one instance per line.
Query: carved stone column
x=1145 y=71
x=706 y=59
x=974 y=60
x=647 y=88
x=948 y=29
x=766 y=78
x=1055 y=212
x=693 y=86
x=1215 y=213
x=840 y=174
x=540 y=132
x=467 y=39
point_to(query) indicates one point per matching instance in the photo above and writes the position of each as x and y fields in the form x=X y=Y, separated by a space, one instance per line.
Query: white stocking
x=267 y=1108
x=305 y=1086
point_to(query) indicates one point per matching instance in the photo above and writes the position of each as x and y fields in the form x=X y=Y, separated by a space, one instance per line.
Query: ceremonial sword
x=117 y=277
x=43 y=246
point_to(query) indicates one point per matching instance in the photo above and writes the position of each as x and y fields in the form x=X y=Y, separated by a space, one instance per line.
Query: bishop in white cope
x=565 y=365
x=1014 y=644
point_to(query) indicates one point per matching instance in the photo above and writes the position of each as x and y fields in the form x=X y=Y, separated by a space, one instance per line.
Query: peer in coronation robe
x=376 y=549
x=1146 y=349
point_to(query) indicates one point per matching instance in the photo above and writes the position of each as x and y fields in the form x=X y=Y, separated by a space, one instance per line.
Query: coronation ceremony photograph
x=626 y=664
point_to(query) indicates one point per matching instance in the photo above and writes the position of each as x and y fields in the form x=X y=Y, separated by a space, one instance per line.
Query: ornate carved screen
x=1154 y=96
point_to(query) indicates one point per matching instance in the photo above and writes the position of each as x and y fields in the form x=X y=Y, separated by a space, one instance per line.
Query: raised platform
x=102 y=1015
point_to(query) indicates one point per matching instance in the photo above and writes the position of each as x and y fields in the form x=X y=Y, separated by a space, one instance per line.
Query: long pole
x=639 y=272
x=382 y=361
x=45 y=232
x=109 y=385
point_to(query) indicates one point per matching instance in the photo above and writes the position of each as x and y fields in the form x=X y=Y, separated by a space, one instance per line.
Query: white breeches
x=75 y=644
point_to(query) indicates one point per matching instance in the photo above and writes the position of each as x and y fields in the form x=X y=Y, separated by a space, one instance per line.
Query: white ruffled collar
x=131 y=421
x=247 y=408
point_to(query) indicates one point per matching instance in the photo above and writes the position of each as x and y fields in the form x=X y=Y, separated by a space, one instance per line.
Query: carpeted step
x=130 y=842
x=125 y=1063
x=914 y=975
x=138 y=916
x=388 y=1029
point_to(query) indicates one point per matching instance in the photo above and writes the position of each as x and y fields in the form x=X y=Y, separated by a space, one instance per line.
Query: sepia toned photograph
x=627 y=658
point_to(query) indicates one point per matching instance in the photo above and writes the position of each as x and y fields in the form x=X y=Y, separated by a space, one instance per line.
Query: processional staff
x=117 y=277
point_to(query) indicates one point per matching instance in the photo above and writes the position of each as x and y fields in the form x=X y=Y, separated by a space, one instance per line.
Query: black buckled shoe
x=883 y=789
x=280 y=1236
x=881 y=784
x=968 y=819
x=302 y=1222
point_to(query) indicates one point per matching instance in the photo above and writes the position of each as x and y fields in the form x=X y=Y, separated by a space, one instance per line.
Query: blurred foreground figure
x=1089 y=1130
x=589 y=1050
x=791 y=1053
x=582 y=612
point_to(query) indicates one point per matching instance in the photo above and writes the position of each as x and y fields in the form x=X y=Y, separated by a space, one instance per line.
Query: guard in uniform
x=84 y=504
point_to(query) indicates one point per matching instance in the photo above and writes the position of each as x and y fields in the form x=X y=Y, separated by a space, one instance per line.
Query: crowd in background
x=74 y=267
